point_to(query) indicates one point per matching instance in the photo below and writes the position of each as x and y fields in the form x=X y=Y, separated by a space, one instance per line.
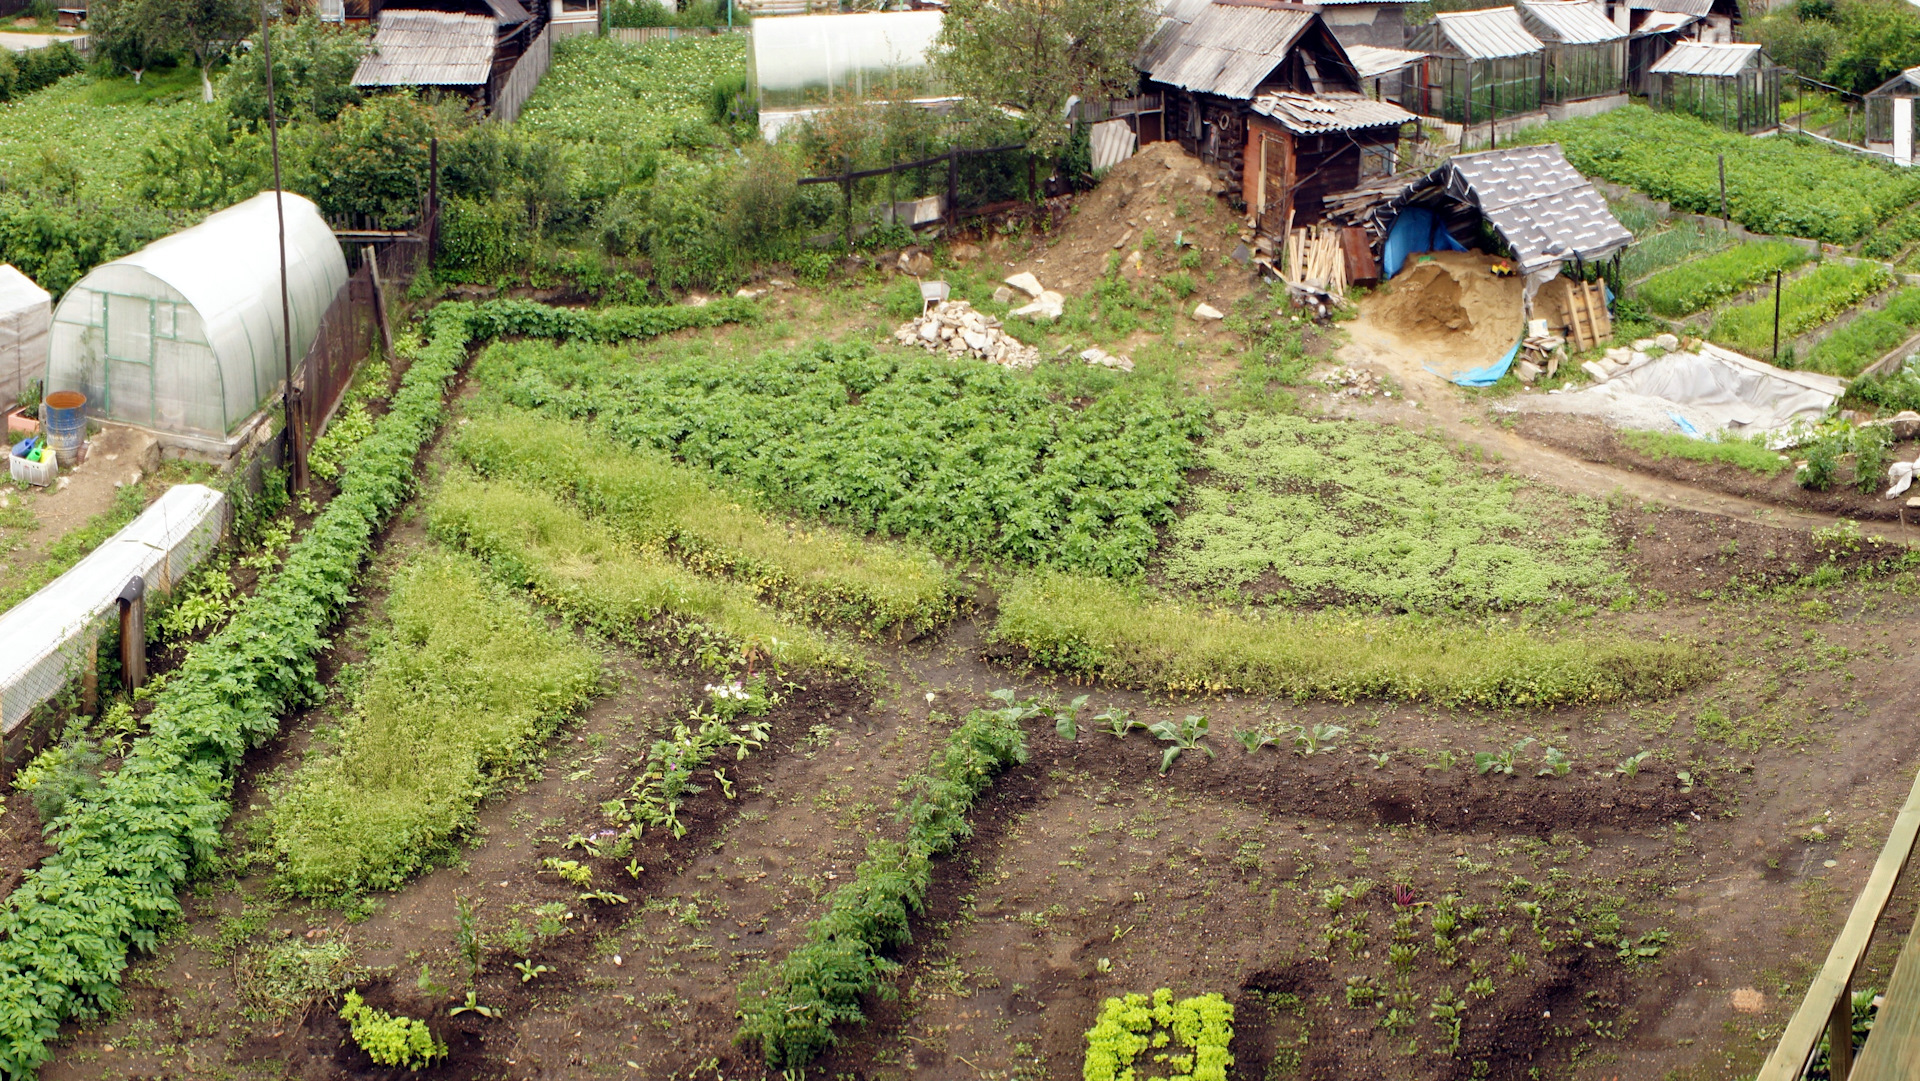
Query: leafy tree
x=313 y=65
x=125 y=36
x=1034 y=55
x=1879 y=39
x=214 y=162
x=371 y=161
x=205 y=29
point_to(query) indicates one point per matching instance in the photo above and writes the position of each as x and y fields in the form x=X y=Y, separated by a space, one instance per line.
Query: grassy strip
x=1894 y=235
x=1872 y=336
x=970 y=459
x=1751 y=454
x=1690 y=287
x=593 y=574
x=1088 y=627
x=790 y=1010
x=77 y=544
x=469 y=681
x=1806 y=303
x=1682 y=240
x=123 y=850
x=822 y=573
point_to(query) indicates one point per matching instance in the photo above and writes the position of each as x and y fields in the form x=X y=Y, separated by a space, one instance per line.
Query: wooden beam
x=1835 y=979
x=1892 y=1050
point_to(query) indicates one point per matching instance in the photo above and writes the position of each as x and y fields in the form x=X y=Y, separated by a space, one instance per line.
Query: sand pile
x=1452 y=303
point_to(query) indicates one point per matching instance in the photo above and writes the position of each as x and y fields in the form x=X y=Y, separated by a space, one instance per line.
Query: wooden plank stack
x=1583 y=312
x=1316 y=257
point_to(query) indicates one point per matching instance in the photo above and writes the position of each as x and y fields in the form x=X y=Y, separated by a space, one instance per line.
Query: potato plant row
x=1692 y=286
x=1805 y=303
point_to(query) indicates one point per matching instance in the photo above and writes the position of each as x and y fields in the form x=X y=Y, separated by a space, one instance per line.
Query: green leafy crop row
x=1359 y=513
x=1805 y=303
x=1690 y=287
x=1749 y=454
x=663 y=506
x=1782 y=186
x=1189 y=1038
x=968 y=458
x=1092 y=628
x=790 y=1010
x=591 y=573
x=122 y=850
x=468 y=680
x=1873 y=335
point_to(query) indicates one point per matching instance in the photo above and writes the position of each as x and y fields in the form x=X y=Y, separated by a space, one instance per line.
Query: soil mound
x=1453 y=303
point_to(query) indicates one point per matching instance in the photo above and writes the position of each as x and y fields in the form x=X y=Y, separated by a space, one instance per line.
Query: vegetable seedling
x=1556 y=763
x=1185 y=736
x=1065 y=718
x=529 y=971
x=1117 y=721
x=1630 y=765
x=1485 y=762
x=1321 y=737
x=1253 y=739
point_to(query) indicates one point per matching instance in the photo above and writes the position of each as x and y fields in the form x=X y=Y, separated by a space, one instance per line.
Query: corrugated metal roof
x=1538 y=203
x=1318 y=114
x=1569 y=22
x=1487 y=34
x=1694 y=58
x=1665 y=22
x=1371 y=60
x=428 y=48
x=1684 y=7
x=1227 y=49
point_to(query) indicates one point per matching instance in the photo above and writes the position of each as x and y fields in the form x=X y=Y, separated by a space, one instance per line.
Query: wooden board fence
x=526 y=75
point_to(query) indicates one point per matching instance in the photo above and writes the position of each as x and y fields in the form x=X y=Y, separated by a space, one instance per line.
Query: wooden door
x=1276 y=181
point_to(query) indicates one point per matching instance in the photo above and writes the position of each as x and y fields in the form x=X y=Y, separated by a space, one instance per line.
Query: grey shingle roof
x=1569 y=22
x=1225 y=49
x=1538 y=203
x=1371 y=60
x=428 y=48
x=1694 y=58
x=1487 y=34
x=1318 y=114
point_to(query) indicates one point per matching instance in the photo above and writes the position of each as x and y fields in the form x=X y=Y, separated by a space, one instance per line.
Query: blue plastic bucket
x=64 y=412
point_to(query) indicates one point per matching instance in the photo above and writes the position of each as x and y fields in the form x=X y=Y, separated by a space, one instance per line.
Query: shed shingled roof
x=1569 y=22
x=1538 y=203
x=1695 y=58
x=1487 y=34
x=1319 y=114
x=1226 y=49
x=428 y=48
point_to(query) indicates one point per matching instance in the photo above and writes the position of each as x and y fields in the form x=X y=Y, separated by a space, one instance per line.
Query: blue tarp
x=1482 y=377
x=1417 y=229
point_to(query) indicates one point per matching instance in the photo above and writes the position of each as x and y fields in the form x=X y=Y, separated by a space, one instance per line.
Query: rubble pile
x=1623 y=359
x=1353 y=383
x=954 y=326
x=1100 y=358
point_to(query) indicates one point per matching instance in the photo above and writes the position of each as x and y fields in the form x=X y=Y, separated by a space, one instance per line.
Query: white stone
x=930 y=330
x=974 y=339
x=1526 y=371
x=1026 y=283
x=1666 y=341
x=1642 y=345
x=1003 y=295
x=1204 y=310
x=1039 y=310
x=1598 y=373
x=1638 y=358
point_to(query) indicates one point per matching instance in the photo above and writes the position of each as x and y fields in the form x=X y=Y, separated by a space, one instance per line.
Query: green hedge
x=1690 y=287
x=1805 y=303
x=1093 y=628
x=790 y=1011
x=820 y=572
x=1868 y=338
x=122 y=852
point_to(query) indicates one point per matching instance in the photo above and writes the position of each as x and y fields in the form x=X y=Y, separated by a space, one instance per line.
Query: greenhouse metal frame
x=1734 y=86
x=1482 y=65
x=184 y=337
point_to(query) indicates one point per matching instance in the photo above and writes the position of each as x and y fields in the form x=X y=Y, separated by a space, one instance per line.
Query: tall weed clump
x=467 y=683
x=1089 y=627
x=592 y=574
x=820 y=573
x=789 y=1010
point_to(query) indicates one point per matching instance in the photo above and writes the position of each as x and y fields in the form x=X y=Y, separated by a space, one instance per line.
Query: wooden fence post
x=953 y=187
x=379 y=303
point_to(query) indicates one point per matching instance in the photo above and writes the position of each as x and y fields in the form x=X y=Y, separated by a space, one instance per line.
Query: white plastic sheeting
x=797 y=61
x=184 y=335
x=25 y=311
x=1714 y=390
x=44 y=640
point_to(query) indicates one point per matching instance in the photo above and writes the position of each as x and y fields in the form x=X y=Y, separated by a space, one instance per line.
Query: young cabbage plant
x=1014 y=709
x=1319 y=738
x=1630 y=765
x=1117 y=721
x=1066 y=718
x=1441 y=760
x=1486 y=762
x=1188 y=735
x=1253 y=739
x=1555 y=762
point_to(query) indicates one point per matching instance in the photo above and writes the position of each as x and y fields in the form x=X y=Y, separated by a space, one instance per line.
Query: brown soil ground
x=1450 y=309
x=1593 y=441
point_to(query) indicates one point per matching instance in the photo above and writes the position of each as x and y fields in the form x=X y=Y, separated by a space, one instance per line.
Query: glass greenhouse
x=183 y=336
x=1483 y=65
x=807 y=61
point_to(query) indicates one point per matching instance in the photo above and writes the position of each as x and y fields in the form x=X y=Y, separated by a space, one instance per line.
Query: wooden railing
x=1893 y=1046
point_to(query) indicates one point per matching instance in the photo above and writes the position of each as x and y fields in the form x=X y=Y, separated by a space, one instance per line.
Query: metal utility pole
x=1776 y=316
x=296 y=449
x=1725 y=221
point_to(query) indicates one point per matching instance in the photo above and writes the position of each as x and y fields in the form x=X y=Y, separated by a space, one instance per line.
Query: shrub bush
x=1202 y=1026
x=388 y=1040
x=466 y=684
x=482 y=240
x=1091 y=628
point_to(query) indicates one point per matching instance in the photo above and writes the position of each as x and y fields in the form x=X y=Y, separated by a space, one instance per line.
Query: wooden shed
x=430 y=48
x=1264 y=91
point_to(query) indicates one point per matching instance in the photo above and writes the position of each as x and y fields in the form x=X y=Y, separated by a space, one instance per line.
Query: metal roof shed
x=1586 y=52
x=429 y=48
x=1540 y=207
x=1483 y=65
x=1224 y=49
x=1734 y=86
x=1890 y=116
x=183 y=337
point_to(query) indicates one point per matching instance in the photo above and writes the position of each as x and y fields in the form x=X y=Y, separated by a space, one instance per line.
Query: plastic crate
x=30 y=472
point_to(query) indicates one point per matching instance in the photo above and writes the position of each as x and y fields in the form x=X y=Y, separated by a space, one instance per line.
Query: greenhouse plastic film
x=44 y=639
x=25 y=312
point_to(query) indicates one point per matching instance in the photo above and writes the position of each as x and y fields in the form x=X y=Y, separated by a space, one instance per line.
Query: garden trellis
x=183 y=337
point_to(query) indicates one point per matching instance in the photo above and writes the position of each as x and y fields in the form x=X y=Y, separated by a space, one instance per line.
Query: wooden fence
x=513 y=92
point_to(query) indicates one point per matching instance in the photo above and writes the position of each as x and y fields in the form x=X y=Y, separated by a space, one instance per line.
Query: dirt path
x=1431 y=400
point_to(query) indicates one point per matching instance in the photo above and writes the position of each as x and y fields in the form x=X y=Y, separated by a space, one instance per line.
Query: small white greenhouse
x=183 y=336
x=24 y=311
x=808 y=61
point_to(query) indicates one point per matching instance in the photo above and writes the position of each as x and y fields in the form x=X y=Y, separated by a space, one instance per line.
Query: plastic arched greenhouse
x=803 y=62
x=183 y=336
